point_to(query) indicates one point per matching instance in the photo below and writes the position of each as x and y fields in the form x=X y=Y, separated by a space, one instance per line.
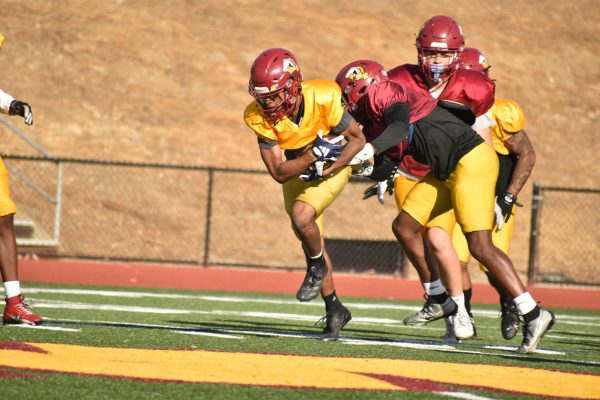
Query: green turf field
x=216 y=345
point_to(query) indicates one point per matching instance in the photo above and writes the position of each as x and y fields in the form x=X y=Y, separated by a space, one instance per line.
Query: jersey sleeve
x=382 y=96
x=331 y=103
x=509 y=116
x=256 y=122
x=5 y=100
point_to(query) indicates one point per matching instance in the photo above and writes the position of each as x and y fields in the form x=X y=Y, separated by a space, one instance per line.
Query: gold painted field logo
x=302 y=372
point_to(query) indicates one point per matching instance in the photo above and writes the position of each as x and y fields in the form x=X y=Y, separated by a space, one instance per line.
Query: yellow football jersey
x=322 y=111
x=509 y=118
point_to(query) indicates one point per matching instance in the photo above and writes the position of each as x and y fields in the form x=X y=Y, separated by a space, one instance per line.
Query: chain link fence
x=190 y=214
x=217 y=216
x=565 y=239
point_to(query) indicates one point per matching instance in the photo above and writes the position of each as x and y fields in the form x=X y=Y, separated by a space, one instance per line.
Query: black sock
x=531 y=315
x=332 y=301
x=439 y=298
x=468 y=293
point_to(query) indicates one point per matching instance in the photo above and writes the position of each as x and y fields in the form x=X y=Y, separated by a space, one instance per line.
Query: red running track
x=268 y=281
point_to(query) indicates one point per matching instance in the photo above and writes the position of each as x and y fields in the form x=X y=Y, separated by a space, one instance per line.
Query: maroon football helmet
x=473 y=59
x=441 y=34
x=355 y=78
x=275 y=71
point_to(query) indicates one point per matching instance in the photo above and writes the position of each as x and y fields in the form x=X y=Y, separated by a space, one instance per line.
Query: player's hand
x=309 y=176
x=382 y=187
x=503 y=207
x=325 y=150
x=23 y=109
x=364 y=155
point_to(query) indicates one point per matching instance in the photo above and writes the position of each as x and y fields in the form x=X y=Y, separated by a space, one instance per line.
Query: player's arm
x=520 y=145
x=355 y=142
x=283 y=170
x=482 y=127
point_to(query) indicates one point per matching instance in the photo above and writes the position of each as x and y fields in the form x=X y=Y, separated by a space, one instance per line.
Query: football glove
x=309 y=176
x=503 y=206
x=364 y=155
x=23 y=109
x=382 y=187
x=325 y=150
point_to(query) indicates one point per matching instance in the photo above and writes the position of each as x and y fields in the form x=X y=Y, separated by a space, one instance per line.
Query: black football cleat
x=313 y=280
x=334 y=321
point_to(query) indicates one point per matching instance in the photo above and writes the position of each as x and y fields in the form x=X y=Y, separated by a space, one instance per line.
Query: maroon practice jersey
x=466 y=87
x=380 y=97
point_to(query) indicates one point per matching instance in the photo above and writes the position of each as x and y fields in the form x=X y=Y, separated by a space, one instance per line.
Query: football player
x=16 y=310
x=289 y=117
x=469 y=95
x=517 y=158
x=463 y=172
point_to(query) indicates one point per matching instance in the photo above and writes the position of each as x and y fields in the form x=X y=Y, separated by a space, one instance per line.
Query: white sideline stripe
x=464 y=395
x=514 y=348
x=48 y=328
x=223 y=336
x=154 y=310
x=106 y=307
x=238 y=299
x=120 y=323
x=587 y=339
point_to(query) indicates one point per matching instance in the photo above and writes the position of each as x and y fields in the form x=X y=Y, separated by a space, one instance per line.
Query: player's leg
x=427 y=271
x=473 y=193
x=15 y=311
x=307 y=214
x=428 y=197
x=403 y=185
x=509 y=317
x=459 y=326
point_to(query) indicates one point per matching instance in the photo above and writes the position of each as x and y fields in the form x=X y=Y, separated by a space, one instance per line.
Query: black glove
x=503 y=208
x=23 y=109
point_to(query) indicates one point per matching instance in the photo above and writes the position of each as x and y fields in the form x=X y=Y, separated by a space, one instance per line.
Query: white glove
x=365 y=154
x=382 y=187
x=379 y=188
x=498 y=216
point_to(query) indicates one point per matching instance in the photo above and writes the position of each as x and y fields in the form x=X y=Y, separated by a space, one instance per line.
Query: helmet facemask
x=438 y=72
x=277 y=110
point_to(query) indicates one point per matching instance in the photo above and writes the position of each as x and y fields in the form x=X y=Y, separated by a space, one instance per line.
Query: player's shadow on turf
x=247 y=327
x=238 y=324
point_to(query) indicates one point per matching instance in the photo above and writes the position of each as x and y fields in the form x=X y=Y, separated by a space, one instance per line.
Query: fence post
x=209 y=190
x=534 y=232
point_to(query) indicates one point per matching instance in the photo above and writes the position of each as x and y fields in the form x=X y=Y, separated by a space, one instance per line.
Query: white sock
x=434 y=288
x=317 y=256
x=12 y=288
x=460 y=301
x=525 y=303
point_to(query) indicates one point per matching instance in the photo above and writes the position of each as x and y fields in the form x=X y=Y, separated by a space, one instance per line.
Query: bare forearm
x=521 y=173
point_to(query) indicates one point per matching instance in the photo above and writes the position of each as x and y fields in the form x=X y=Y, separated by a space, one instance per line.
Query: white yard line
x=241 y=299
x=42 y=327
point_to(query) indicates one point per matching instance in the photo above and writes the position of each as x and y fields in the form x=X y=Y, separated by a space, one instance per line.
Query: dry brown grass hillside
x=165 y=81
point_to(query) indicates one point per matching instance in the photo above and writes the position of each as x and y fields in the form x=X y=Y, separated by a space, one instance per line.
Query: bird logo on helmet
x=442 y=34
x=356 y=73
x=473 y=59
x=355 y=78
